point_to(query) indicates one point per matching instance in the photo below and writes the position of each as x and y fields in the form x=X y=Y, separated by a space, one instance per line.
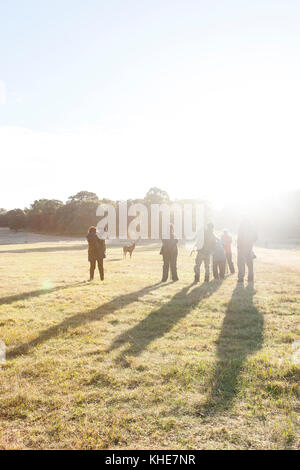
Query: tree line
x=275 y=220
x=70 y=218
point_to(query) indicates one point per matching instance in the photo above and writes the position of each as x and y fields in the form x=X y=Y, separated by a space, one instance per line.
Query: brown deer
x=128 y=249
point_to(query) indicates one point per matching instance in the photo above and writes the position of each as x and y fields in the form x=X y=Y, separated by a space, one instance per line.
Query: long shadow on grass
x=36 y=293
x=160 y=321
x=81 y=319
x=241 y=336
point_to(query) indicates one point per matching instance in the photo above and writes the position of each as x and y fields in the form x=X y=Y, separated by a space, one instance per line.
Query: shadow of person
x=241 y=335
x=80 y=319
x=36 y=293
x=162 y=320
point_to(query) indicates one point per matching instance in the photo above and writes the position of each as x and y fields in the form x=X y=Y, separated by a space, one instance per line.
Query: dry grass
x=129 y=363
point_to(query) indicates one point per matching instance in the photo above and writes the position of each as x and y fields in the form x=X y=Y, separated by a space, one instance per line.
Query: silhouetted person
x=219 y=260
x=204 y=253
x=169 y=253
x=246 y=238
x=227 y=242
x=96 y=252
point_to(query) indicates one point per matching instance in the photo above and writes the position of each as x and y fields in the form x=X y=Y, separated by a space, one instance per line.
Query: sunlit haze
x=199 y=98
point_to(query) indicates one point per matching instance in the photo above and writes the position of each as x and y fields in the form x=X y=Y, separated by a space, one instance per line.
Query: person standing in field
x=204 y=253
x=246 y=238
x=219 y=261
x=96 y=252
x=169 y=252
x=227 y=242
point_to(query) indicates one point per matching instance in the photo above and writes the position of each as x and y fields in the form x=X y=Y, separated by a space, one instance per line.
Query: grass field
x=130 y=363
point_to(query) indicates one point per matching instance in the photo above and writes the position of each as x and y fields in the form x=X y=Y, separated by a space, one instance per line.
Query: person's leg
x=222 y=266
x=249 y=261
x=101 y=269
x=166 y=265
x=215 y=270
x=92 y=269
x=206 y=265
x=198 y=262
x=173 y=264
x=230 y=263
x=241 y=266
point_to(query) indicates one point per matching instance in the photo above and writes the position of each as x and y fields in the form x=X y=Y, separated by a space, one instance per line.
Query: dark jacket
x=96 y=247
x=169 y=246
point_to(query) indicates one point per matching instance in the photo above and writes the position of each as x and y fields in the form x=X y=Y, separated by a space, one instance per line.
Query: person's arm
x=162 y=246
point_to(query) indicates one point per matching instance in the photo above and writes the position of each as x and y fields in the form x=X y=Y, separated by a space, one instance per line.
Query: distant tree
x=80 y=212
x=3 y=218
x=16 y=219
x=41 y=205
x=156 y=196
x=42 y=215
x=76 y=216
x=83 y=196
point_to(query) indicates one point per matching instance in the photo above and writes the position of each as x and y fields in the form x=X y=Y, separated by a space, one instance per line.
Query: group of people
x=219 y=250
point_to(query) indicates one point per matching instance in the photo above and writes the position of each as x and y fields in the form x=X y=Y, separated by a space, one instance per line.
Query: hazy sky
x=200 y=98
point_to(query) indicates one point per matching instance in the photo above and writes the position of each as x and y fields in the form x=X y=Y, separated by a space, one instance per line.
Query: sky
x=199 y=98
